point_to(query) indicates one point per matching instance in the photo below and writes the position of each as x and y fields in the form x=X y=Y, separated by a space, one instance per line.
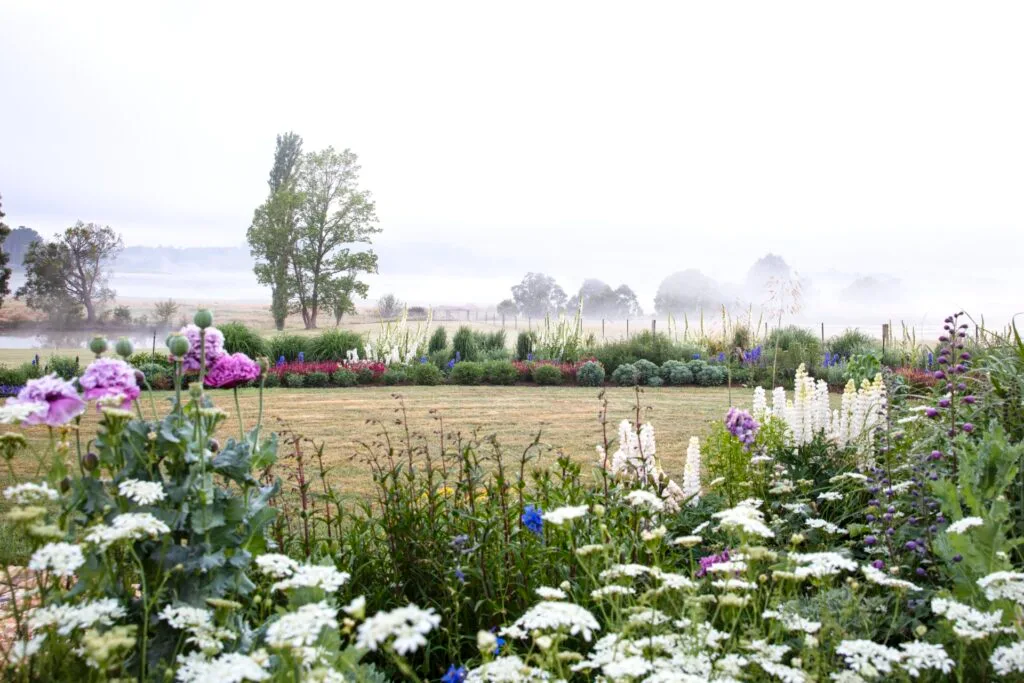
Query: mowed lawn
x=566 y=416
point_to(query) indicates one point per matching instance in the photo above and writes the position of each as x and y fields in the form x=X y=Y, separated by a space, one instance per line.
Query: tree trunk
x=312 y=318
x=90 y=311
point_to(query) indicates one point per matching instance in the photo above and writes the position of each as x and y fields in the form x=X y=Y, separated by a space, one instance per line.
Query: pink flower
x=109 y=377
x=230 y=371
x=214 y=347
x=57 y=401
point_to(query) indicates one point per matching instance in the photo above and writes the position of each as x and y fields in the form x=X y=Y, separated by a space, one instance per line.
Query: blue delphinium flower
x=500 y=642
x=721 y=356
x=696 y=356
x=455 y=675
x=280 y=361
x=458 y=356
x=460 y=575
x=451 y=364
x=532 y=519
x=931 y=359
x=302 y=356
x=423 y=360
x=529 y=356
x=35 y=360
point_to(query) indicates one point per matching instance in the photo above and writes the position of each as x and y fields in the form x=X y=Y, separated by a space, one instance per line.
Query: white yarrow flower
x=142 y=492
x=407 y=625
x=62 y=559
x=559 y=516
x=557 y=616
x=131 y=526
x=30 y=494
x=549 y=593
x=962 y=525
x=301 y=629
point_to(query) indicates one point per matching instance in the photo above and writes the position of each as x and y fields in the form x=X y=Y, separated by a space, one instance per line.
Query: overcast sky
x=621 y=141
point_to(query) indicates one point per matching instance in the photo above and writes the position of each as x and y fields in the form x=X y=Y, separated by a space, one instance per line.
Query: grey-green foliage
x=645 y=370
x=591 y=374
x=676 y=373
x=711 y=376
x=426 y=374
x=655 y=381
x=625 y=375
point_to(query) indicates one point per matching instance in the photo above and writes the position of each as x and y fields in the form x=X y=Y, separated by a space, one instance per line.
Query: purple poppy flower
x=56 y=400
x=214 y=347
x=230 y=371
x=110 y=377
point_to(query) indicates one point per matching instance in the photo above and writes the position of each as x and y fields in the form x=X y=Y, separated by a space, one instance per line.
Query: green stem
x=238 y=409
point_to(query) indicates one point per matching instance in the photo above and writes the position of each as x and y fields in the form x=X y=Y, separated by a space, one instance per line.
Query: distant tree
x=17 y=244
x=5 y=271
x=599 y=299
x=508 y=308
x=537 y=295
x=74 y=268
x=273 y=231
x=122 y=315
x=765 y=269
x=686 y=290
x=339 y=298
x=165 y=310
x=389 y=306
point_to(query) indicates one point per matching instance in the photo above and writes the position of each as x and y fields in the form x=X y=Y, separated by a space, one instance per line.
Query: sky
x=622 y=141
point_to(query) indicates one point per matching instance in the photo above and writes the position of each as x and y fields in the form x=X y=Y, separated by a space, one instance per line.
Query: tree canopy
x=686 y=290
x=5 y=271
x=599 y=299
x=537 y=295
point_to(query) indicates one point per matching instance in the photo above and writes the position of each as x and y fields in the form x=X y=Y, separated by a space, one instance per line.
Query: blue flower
x=458 y=356
x=696 y=356
x=451 y=364
x=423 y=360
x=721 y=356
x=931 y=359
x=455 y=675
x=460 y=575
x=529 y=356
x=302 y=356
x=532 y=519
x=280 y=361
x=500 y=643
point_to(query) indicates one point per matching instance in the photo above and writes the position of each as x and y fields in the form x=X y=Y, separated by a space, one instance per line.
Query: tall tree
x=340 y=297
x=272 y=232
x=5 y=271
x=599 y=299
x=335 y=216
x=17 y=243
x=73 y=270
x=685 y=291
x=538 y=294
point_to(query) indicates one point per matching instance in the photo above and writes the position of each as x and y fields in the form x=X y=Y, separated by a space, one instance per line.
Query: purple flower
x=214 y=347
x=968 y=427
x=230 y=371
x=742 y=425
x=931 y=412
x=939 y=374
x=109 y=377
x=969 y=400
x=943 y=402
x=57 y=402
x=708 y=560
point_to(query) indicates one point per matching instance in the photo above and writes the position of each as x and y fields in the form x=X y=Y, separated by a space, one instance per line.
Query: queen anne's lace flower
x=199 y=624
x=969 y=623
x=559 y=616
x=325 y=578
x=645 y=500
x=867 y=658
x=1003 y=586
x=61 y=559
x=30 y=494
x=745 y=517
x=559 y=516
x=301 y=628
x=880 y=578
x=962 y=525
x=823 y=564
x=1008 y=659
x=231 y=667
x=549 y=593
x=918 y=656
x=67 y=618
x=792 y=622
x=130 y=526
x=824 y=525
x=142 y=492
x=407 y=625
x=508 y=669
x=612 y=589
x=276 y=566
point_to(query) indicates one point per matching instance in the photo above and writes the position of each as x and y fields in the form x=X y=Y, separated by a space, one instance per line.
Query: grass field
x=566 y=416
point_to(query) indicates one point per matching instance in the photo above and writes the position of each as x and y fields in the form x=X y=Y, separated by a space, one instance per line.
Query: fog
x=581 y=140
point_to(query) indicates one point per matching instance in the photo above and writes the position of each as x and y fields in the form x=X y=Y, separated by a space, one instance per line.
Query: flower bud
x=213 y=445
x=203 y=318
x=140 y=379
x=195 y=390
x=598 y=510
x=178 y=345
x=124 y=347
x=89 y=461
x=98 y=345
x=65 y=484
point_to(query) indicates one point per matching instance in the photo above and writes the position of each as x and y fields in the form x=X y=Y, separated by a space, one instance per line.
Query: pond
x=56 y=339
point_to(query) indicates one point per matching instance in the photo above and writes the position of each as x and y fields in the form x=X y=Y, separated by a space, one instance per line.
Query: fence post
x=823 y=335
x=529 y=322
x=502 y=321
x=467 y=314
x=654 y=325
x=517 y=320
x=602 y=328
x=885 y=336
x=154 y=340
x=627 y=328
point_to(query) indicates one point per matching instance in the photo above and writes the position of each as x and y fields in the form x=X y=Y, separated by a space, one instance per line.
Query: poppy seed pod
x=124 y=347
x=203 y=318
x=98 y=345
x=178 y=345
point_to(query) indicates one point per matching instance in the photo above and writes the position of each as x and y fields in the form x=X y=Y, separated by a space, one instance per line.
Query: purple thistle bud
x=939 y=374
x=943 y=338
x=870 y=540
x=968 y=427
x=958 y=558
x=931 y=412
x=878 y=564
x=943 y=402
x=970 y=399
x=921 y=571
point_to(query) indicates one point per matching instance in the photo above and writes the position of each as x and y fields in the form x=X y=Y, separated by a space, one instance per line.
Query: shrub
x=272 y=380
x=427 y=374
x=438 y=340
x=467 y=372
x=526 y=342
x=317 y=379
x=645 y=370
x=294 y=380
x=500 y=372
x=440 y=358
x=590 y=375
x=710 y=376
x=464 y=346
x=394 y=375
x=492 y=341
x=122 y=315
x=343 y=377
x=334 y=345
x=150 y=370
x=547 y=375
x=676 y=373
x=851 y=343
x=241 y=339
x=12 y=377
x=287 y=345
x=655 y=381
x=494 y=354
x=366 y=375
x=141 y=358
x=31 y=370
x=65 y=366
x=625 y=375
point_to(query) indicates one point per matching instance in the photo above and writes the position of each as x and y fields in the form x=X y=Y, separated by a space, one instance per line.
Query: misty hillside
x=172 y=259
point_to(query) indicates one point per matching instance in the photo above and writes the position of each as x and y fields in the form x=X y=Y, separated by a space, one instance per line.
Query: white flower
x=508 y=669
x=128 y=526
x=745 y=517
x=12 y=412
x=793 y=622
x=326 y=578
x=734 y=584
x=30 y=494
x=969 y=623
x=687 y=541
x=867 y=658
x=23 y=650
x=565 y=513
x=671 y=581
x=585 y=550
x=612 y=589
x=617 y=571
x=301 y=628
x=61 y=559
x=276 y=565
x=627 y=667
x=486 y=642
x=691 y=471
x=1008 y=659
x=198 y=622
x=1003 y=586
x=67 y=618
x=357 y=608
x=727 y=567
x=645 y=499
x=407 y=625
x=918 y=656
x=830 y=495
x=878 y=577
x=824 y=525
x=818 y=565
x=654 y=534
x=550 y=615
x=227 y=668
x=142 y=492
x=962 y=525
x=549 y=593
